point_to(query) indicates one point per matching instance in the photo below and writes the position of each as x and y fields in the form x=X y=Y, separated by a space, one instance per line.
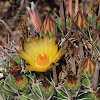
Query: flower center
x=43 y=60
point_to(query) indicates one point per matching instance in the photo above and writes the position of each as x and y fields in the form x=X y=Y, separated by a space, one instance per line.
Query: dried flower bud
x=21 y=81
x=72 y=82
x=46 y=87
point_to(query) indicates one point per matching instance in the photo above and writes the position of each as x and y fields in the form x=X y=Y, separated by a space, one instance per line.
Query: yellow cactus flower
x=41 y=53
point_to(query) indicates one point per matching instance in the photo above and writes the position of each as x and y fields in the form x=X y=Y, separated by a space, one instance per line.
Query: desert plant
x=60 y=60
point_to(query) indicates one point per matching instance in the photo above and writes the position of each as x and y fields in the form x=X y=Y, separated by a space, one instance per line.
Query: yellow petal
x=37 y=68
x=39 y=53
x=58 y=55
x=26 y=57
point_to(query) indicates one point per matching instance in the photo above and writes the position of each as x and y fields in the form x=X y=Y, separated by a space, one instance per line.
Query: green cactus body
x=47 y=91
x=85 y=81
x=73 y=85
x=22 y=84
